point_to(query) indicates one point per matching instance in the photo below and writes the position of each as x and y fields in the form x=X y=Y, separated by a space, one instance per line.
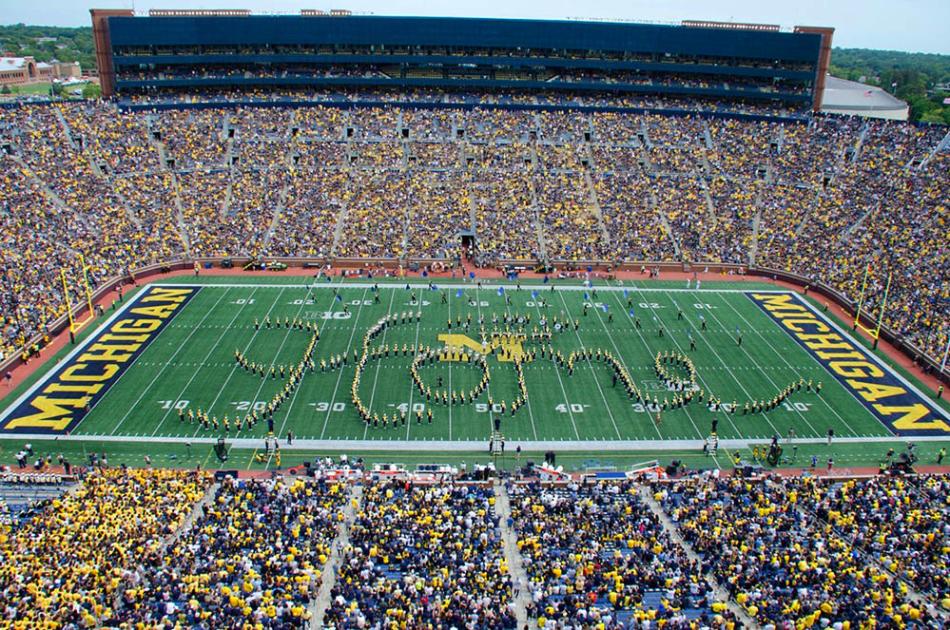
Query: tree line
x=921 y=79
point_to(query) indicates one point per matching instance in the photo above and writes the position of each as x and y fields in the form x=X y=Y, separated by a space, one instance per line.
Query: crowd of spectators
x=597 y=556
x=904 y=523
x=422 y=557
x=824 y=199
x=159 y=548
x=254 y=557
x=63 y=567
x=787 y=567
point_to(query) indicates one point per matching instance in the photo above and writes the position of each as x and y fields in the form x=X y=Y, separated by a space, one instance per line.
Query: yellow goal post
x=74 y=324
x=875 y=331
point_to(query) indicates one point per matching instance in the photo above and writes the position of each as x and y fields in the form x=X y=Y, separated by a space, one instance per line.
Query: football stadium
x=356 y=321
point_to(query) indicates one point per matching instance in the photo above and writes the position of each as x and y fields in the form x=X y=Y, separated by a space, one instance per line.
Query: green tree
x=91 y=90
x=939 y=116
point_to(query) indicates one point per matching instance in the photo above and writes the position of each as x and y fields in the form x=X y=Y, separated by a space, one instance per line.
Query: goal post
x=874 y=330
x=74 y=324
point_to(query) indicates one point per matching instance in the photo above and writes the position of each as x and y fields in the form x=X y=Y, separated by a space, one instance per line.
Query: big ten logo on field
x=326 y=315
x=60 y=400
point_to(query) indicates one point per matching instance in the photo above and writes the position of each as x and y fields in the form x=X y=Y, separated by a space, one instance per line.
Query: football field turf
x=189 y=364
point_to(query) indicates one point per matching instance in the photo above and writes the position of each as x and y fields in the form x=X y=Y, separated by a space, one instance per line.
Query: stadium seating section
x=152 y=548
x=424 y=555
x=824 y=198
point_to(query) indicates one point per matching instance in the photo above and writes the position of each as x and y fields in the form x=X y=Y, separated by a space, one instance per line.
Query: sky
x=909 y=25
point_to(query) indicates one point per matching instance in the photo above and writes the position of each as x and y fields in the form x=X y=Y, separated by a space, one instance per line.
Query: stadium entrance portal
x=468 y=243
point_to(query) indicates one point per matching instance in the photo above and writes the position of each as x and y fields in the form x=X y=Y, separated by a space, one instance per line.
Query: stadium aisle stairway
x=519 y=577
x=318 y=606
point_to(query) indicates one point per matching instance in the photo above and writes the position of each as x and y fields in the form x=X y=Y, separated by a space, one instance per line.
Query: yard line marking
x=412 y=386
x=372 y=395
x=158 y=374
x=491 y=410
x=593 y=373
x=449 y=303
x=534 y=429
x=782 y=358
x=560 y=381
x=207 y=356
x=339 y=376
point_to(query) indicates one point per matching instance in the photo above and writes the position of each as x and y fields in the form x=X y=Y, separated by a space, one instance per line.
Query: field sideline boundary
x=478 y=446
x=540 y=288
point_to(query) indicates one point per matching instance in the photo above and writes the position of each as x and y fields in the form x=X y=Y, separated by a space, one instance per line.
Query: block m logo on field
x=511 y=345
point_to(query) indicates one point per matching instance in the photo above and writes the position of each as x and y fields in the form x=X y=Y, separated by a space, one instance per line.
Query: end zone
x=890 y=398
x=63 y=396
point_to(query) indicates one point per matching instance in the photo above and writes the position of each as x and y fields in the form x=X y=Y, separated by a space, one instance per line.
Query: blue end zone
x=61 y=399
x=890 y=398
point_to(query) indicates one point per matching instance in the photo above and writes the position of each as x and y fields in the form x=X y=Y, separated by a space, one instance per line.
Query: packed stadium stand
x=151 y=548
x=823 y=198
x=364 y=140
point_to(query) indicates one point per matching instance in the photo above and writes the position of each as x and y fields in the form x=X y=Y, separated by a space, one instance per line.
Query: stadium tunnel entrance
x=468 y=243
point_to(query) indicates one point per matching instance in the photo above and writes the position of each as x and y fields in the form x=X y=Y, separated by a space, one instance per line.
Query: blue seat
x=653 y=600
x=623 y=616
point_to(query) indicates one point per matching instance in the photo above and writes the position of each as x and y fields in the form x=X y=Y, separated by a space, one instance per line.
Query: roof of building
x=12 y=63
x=841 y=94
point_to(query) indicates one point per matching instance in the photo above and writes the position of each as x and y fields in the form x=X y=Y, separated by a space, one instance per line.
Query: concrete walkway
x=673 y=531
x=320 y=603
x=520 y=585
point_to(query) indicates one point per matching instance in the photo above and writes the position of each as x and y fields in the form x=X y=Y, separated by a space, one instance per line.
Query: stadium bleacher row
x=824 y=199
x=153 y=548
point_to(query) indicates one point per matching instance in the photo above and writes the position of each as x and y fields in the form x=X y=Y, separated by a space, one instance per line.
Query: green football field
x=190 y=365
